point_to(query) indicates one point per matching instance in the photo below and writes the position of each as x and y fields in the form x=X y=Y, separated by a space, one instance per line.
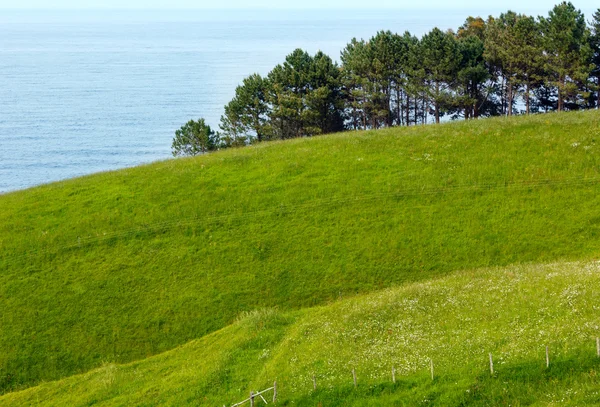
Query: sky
x=279 y=4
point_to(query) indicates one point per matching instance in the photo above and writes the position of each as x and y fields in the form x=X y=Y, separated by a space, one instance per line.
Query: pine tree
x=305 y=96
x=595 y=48
x=565 y=39
x=472 y=76
x=288 y=88
x=324 y=103
x=500 y=53
x=413 y=78
x=193 y=138
x=355 y=70
x=246 y=115
x=528 y=55
x=441 y=60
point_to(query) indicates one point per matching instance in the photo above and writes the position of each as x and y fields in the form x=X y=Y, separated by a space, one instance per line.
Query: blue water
x=84 y=91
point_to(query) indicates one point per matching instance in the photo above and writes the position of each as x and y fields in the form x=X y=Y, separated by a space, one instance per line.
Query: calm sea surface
x=82 y=92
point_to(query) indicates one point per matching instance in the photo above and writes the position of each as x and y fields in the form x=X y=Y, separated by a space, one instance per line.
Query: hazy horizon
x=88 y=90
x=277 y=5
x=413 y=15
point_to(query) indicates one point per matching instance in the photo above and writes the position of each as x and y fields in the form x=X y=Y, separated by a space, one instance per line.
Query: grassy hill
x=120 y=266
x=456 y=321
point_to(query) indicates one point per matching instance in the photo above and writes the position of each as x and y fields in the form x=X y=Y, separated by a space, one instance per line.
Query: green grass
x=456 y=321
x=120 y=266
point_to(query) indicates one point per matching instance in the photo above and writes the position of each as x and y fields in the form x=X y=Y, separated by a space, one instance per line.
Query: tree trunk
x=510 y=99
x=560 y=93
x=465 y=107
x=399 y=106
x=364 y=113
x=437 y=104
x=468 y=111
x=527 y=104
x=390 y=115
x=256 y=122
x=503 y=93
x=416 y=110
x=407 y=109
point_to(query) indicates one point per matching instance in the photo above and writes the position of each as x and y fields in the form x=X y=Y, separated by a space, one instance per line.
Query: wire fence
x=254 y=396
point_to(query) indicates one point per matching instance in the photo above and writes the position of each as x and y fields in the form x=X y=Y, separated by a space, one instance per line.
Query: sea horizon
x=91 y=90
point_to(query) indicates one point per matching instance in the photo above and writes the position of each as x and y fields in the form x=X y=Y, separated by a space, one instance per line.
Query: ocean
x=89 y=91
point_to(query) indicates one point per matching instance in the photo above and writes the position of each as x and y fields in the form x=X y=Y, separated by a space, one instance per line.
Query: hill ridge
x=68 y=311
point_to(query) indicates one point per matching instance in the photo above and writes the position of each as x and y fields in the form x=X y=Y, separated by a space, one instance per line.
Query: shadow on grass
x=572 y=379
x=531 y=381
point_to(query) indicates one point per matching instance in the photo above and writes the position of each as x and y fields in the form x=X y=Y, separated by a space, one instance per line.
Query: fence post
x=491 y=364
x=354 y=376
x=274 y=391
x=431 y=365
x=314 y=383
x=251 y=399
x=598 y=346
x=547 y=358
x=394 y=374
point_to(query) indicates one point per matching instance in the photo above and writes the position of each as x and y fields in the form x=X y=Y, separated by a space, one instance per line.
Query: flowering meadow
x=454 y=321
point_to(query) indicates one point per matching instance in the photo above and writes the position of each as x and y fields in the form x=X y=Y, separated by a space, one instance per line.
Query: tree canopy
x=504 y=65
x=193 y=138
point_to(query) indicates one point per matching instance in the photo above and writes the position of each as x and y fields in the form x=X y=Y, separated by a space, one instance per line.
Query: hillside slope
x=456 y=321
x=120 y=266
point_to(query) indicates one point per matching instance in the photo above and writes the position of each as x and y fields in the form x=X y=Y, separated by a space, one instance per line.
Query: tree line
x=505 y=65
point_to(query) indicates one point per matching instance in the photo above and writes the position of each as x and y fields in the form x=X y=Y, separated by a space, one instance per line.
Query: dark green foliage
x=305 y=96
x=529 y=56
x=355 y=68
x=416 y=109
x=595 y=48
x=500 y=53
x=193 y=138
x=324 y=104
x=565 y=38
x=387 y=55
x=472 y=77
x=441 y=59
x=302 y=97
x=289 y=87
x=514 y=50
x=377 y=78
x=503 y=66
x=246 y=116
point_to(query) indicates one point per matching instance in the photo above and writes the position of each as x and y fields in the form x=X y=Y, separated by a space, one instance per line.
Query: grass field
x=456 y=321
x=121 y=266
